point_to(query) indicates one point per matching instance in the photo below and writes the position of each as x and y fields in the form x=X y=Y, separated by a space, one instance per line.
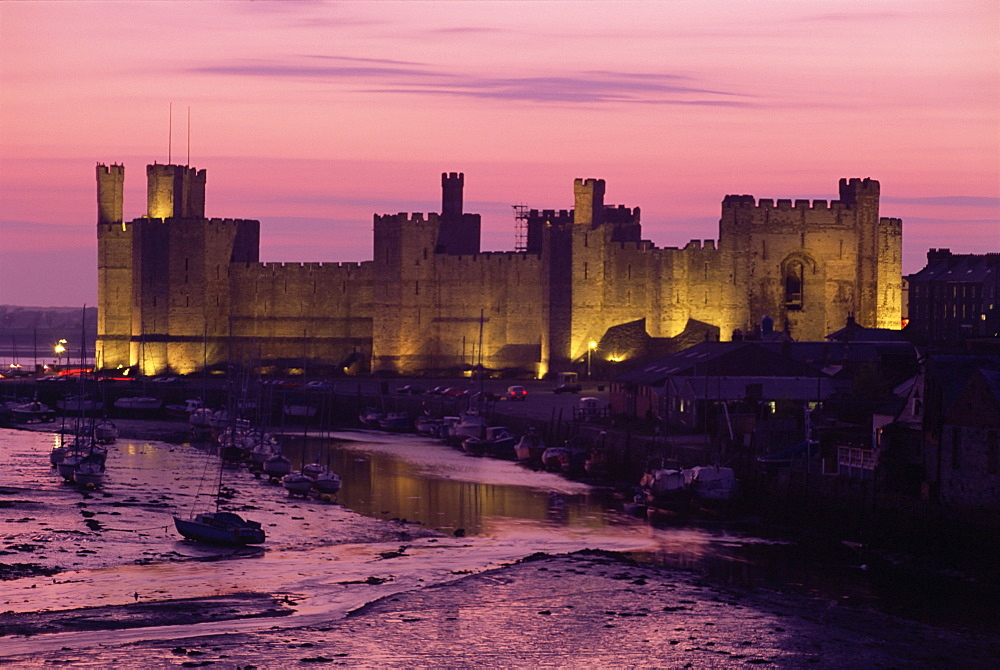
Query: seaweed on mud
x=11 y=571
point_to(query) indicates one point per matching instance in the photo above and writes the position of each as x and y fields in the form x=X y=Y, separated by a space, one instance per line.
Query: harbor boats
x=297 y=483
x=327 y=483
x=597 y=461
x=470 y=424
x=664 y=486
x=370 y=417
x=711 y=484
x=262 y=446
x=71 y=457
x=227 y=528
x=32 y=412
x=82 y=451
x=313 y=470
x=219 y=526
x=105 y=431
x=277 y=466
x=530 y=447
x=498 y=443
x=396 y=422
x=446 y=429
x=89 y=473
x=570 y=457
x=79 y=404
x=184 y=411
x=555 y=459
x=425 y=424
x=137 y=405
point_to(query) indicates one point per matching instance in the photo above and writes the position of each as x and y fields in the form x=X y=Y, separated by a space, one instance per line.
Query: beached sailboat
x=105 y=432
x=220 y=527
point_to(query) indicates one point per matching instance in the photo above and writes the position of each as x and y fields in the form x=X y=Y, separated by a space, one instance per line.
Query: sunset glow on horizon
x=313 y=116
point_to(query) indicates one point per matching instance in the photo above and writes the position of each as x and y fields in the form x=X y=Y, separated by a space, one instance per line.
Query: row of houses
x=864 y=403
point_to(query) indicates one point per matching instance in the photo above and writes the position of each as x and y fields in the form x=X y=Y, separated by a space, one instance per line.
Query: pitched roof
x=720 y=359
x=948 y=267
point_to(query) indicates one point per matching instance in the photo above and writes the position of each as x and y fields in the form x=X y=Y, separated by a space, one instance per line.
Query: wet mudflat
x=334 y=586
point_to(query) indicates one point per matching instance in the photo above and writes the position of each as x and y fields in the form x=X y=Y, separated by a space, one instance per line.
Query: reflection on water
x=431 y=484
x=384 y=485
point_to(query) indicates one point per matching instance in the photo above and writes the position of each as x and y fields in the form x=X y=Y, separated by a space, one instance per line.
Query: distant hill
x=22 y=329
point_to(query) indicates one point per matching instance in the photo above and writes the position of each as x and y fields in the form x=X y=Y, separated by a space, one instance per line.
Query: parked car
x=568 y=388
x=319 y=386
x=412 y=389
x=516 y=393
x=454 y=392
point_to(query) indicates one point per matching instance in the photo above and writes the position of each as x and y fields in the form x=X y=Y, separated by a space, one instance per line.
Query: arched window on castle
x=793 y=286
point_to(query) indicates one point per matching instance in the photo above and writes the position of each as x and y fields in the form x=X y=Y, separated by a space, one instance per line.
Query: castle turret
x=452 y=184
x=588 y=199
x=110 y=184
x=175 y=191
x=114 y=269
x=458 y=232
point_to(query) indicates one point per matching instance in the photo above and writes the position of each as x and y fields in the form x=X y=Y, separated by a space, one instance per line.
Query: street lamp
x=60 y=348
x=590 y=352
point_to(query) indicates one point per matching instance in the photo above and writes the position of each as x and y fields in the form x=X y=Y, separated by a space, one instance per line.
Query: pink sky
x=314 y=116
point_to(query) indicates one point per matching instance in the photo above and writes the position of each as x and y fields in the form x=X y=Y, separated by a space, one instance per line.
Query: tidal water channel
x=428 y=483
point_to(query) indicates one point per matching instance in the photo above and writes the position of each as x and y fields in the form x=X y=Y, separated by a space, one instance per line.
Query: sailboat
x=220 y=527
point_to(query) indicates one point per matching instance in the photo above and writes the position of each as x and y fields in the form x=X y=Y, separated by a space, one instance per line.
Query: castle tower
x=862 y=196
x=110 y=185
x=458 y=232
x=175 y=191
x=588 y=199
x=452 y=184
x=114 y=270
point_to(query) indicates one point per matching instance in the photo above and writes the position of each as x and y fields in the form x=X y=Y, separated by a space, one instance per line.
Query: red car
x=517 y=393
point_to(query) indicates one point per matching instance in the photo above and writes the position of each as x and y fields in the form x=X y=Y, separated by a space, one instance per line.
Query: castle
x=178 y=291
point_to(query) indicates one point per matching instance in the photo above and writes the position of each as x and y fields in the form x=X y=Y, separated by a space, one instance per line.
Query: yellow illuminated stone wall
x=178 y=292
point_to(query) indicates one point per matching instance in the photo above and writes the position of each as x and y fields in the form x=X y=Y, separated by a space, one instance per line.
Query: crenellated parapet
x=311 y=267
x=748 y=202
x=175 y=191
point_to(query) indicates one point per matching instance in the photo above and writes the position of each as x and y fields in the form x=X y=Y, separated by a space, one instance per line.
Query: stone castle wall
x=177 y=293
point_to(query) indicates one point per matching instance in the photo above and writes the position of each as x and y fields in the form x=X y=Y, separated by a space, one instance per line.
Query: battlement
x=641 y=245
x=708 y=245
x=274 y=267
x=890 y=225
x=110 y=193
x=175 y=190
x=853 y=189
x=850 y=191
x=408 y=217
x=596 y=184
x=491 y=257
x=620 y=214
x=782 y=204
x=551 y=214
x=113 y=168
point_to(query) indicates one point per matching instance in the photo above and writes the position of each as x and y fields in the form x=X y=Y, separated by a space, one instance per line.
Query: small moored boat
x=220 y=528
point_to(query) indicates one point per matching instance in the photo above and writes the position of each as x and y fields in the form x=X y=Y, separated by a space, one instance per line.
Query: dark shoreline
x=145 y=614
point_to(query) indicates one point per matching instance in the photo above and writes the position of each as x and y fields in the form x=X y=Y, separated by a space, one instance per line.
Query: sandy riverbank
x=337 y=588
x=587 y=609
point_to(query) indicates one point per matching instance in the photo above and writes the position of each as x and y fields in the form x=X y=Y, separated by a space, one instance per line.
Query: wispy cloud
x=384 y=76
x=947 y=201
